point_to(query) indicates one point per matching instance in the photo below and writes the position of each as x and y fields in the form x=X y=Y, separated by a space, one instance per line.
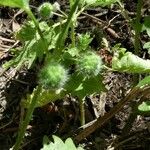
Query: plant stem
x=30 y=14
x=63 y=34
x=82 y=112
x=73 y=35
x=124 y=13
x=27 y=119
x=102 y=120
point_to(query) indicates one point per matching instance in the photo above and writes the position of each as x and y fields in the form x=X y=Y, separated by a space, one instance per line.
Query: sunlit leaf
x=147 y=46
x=24 y=4
x=130 y=63
x=103 y=3
x=144 y=82
x=144 y=107
x=83 y=41
x=58 y=144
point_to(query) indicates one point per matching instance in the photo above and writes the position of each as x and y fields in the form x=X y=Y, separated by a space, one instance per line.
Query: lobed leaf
x=130 y=63
x=58 y=144
x=33 y=49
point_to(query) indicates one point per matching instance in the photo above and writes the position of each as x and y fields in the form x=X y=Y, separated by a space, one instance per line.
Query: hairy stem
x=30 y=14
x=27 y=119
x=73 y=35
x=63 y=34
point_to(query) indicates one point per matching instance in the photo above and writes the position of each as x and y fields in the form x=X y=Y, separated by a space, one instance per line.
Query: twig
x=102 y=120
x=7 y=40
x=103 y=24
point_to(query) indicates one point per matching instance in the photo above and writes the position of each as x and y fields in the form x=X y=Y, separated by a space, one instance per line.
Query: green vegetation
x=44 y=41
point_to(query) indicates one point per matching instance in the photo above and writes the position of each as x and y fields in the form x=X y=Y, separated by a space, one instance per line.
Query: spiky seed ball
x=89 y=64
x=53 y=76
x=46 y=10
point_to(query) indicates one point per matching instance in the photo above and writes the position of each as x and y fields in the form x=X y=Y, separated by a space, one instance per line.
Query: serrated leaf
x=29 y=53
x=45 y=97
x=24 y=4
x=130 y=63
x=83 y=41
x=144 y=107
x=70 y=144
x=27 y=32
x=59 y=144
x=33 y=49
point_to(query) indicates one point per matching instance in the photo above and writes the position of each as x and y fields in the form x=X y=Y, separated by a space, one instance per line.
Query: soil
x=62 y=117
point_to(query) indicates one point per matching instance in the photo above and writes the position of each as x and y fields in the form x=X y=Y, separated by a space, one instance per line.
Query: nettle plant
x=45 y=40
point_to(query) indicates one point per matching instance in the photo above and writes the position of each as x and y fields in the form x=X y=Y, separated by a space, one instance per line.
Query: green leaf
x=31 y=51
x=144 y=82
x=45 y=97
x=27 y=31
x=83 y=41
x=147 y=46
x=144 y=107
x=58 y=144
x=146 y=25
x=130 y=63
x=81 y=87
x=70 y=144
x=24 y=4
x=103 y=3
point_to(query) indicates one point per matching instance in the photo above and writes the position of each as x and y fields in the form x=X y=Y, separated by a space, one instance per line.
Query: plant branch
x=30 y=14
x=63 y=34
x=102 y=120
